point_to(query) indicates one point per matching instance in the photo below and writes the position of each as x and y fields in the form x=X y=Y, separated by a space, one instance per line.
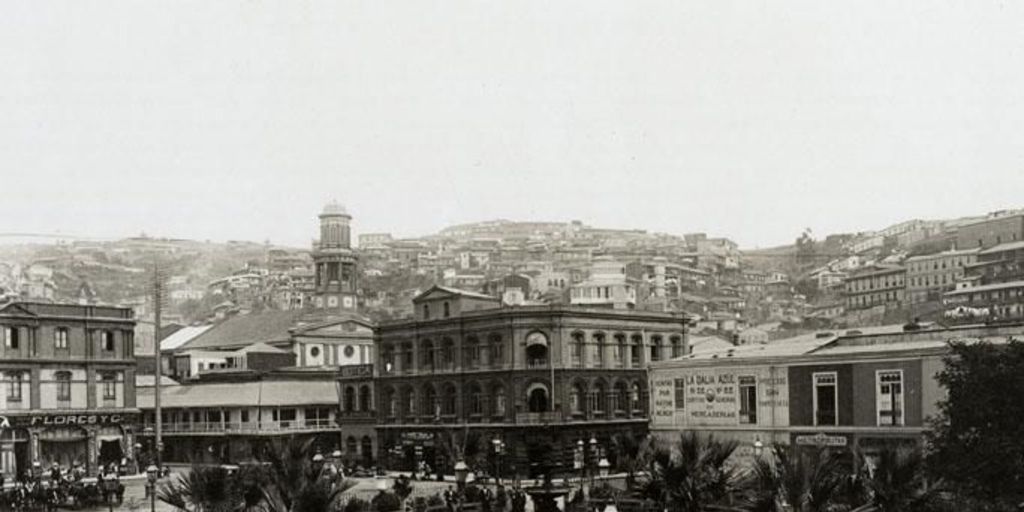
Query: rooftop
x=257 y=393
x=243 y=330
x=987 y=288
x=1011 y=246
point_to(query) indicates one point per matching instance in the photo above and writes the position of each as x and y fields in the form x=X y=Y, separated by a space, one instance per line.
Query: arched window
x=621 y=397
x=537 y=398
x=427 y=355
x=390 y=402
x=619 y=352
x=63 y=386
x=499 y=400
x=655 y=348
x=447 y=354
x=599 y=349
x=408 y=402
x=635 y=349
x=599 y=398
x=497 y=351
x=576 y=396
x=577 y=349
x=448 y=399
x=431 y=406
x=475 y=402
x=677 y=346
x=350 y=399
x=407 y=356
x=472 y=352
x=365 y=398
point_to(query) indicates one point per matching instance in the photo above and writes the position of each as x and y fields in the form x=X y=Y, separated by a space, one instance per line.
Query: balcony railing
x=537 y=418
x=217 y=427
x=535 y=364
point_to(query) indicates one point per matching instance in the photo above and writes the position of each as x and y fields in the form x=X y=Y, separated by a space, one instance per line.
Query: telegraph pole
x=159 y=370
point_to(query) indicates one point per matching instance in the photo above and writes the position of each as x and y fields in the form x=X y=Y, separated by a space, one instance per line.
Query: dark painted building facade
x=539 y=379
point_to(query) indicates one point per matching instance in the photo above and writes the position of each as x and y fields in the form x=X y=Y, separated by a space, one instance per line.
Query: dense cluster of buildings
x=526 y=336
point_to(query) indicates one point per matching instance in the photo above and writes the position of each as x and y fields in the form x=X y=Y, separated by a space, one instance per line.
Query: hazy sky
x=749 y=119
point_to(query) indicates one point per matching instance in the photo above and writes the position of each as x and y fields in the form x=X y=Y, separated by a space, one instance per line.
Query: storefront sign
x=61 y=420
x=355 y=371
x=711 y=398
x=821 y=439
x=664 y=401
x=417 y=436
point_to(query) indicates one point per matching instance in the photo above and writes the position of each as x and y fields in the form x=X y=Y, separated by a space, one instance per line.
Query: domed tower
x=335 y=262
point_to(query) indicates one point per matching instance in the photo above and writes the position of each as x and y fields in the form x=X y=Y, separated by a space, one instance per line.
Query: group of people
x=58 y=485
x=498 y=500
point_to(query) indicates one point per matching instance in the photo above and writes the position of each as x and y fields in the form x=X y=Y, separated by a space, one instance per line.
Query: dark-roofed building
x=881 y=285
x=538 y=377
x=231 y=416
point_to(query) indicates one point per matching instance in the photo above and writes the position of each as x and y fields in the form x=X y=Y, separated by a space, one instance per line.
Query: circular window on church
x=314 y=351
x=350 y=351
x=332 y=301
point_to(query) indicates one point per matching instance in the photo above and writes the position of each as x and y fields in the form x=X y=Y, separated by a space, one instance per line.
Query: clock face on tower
x=536 y=338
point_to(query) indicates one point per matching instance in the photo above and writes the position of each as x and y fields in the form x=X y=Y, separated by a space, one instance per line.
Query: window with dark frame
x=748 y=400
x=60 y=338
x=109 y=386
x=63 y=386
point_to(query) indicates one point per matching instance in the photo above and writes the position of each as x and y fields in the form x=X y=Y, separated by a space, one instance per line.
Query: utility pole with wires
x=158 y=371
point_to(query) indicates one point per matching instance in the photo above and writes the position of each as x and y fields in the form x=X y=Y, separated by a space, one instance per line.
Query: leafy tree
x=976 y=442
x=296 y=484
x=691 y=476
x=897 y=482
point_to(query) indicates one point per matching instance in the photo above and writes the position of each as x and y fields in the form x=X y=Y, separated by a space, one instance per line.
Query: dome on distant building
x=334 y=208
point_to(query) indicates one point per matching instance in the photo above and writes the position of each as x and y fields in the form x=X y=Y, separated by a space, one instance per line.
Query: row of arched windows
x=621 y=348
x=354 y=400
x=443 y=354
x=430 y=400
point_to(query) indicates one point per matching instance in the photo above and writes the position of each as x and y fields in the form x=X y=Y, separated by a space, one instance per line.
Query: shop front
x=86 y=440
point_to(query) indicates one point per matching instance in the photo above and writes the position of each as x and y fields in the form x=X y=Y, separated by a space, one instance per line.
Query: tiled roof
x=242 y=330
x=260 y=348
x=150 y=381
x=243 y=394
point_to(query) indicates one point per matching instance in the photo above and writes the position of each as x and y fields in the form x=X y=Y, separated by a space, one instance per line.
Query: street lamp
x=151 y=476
x=604 y=467
x=461 y=472
x=499 y=446
x=758 y=447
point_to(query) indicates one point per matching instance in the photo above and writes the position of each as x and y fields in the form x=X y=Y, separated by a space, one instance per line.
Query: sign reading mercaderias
x=711 y=398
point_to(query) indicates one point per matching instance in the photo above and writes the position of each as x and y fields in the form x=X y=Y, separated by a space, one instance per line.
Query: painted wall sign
x=77 y=419
x=821 y=439
x=711 y=396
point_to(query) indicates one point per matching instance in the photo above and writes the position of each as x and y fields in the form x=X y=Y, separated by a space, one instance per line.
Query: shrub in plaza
x=691 y=475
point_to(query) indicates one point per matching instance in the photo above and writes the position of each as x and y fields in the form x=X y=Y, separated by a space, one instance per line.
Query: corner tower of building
x=336 y=264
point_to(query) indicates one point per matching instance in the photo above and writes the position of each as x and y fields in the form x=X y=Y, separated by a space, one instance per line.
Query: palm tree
x=692 y=476
x=798 y=482
x=296 y=484
x=632 y=454
x=213 y=489
x=897 y=482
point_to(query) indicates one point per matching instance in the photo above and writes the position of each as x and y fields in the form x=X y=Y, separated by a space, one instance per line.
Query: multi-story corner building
x=929 y=276
x=858 y=390
x=230 y=416
x=539 y=378
x=68 y=387
x=992 y=287
x=878 y=286
x=991 y=232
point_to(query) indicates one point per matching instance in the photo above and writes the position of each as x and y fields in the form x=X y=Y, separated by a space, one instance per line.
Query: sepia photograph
x=511 y=256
